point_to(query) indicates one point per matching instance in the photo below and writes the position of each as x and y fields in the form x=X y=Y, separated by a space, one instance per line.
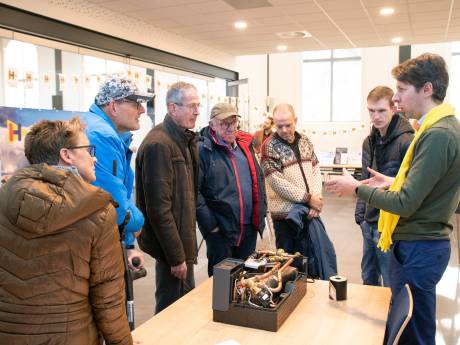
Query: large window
x=29 y=78
x=454 y=87
x=332 y=85
x=20 y=69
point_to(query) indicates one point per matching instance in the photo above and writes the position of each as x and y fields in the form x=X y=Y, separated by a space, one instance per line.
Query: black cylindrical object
x=338 y=288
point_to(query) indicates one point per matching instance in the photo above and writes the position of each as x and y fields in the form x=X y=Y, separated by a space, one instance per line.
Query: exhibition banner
x=14 y=125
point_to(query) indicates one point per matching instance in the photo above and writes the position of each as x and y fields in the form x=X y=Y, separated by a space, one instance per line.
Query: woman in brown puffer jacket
x=61 y=265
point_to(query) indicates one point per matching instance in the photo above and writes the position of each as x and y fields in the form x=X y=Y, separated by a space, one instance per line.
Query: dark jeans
x=290 y=238
x=420 y=264
x=374 y=263
x=168 y=288
x=220 y=248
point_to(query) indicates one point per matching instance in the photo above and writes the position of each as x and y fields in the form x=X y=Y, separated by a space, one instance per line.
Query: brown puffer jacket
x=61 y=265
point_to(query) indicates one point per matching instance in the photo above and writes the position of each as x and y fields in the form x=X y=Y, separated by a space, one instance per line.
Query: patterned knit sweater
x=284 y=182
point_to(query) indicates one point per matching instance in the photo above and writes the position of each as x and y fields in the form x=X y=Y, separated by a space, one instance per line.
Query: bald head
x=285 y=121
x=283 y=108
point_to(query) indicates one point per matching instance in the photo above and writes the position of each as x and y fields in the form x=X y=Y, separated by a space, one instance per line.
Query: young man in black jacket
x=383 y=151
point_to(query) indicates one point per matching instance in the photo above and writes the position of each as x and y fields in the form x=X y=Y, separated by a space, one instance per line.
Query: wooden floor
x=338 y=216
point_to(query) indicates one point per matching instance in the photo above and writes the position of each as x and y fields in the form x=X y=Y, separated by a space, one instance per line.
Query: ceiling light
x=387 y=11
x=281 y=48
x=293 y=34
x=397 y=40
x=240 y=25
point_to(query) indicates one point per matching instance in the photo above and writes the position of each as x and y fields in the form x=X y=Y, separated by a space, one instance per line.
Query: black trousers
x=290 y=238
x=168 y=288
x=219 y=248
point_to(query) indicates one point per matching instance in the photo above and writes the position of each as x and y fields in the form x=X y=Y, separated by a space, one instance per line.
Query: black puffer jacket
x=385 y=155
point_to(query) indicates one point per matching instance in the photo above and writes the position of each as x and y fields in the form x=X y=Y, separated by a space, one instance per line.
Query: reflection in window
x=92 y=68
x=96 y=70
x=209 y=91
x=29 y=79
x=316 y=105
x=346 y=100
x=332 y=85
x=21 y=70
x=162 y=82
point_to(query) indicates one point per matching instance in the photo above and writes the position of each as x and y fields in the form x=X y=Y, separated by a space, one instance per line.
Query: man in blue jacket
x=231 y=198
x=115 y=112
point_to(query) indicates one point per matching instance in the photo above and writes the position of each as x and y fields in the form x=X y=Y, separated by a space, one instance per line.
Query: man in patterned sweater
x=292 y=177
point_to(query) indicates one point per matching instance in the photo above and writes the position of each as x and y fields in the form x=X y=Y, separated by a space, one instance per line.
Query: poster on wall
x=14 y=125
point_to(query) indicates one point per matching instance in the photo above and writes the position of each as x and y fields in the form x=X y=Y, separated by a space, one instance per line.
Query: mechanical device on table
x=260 y=292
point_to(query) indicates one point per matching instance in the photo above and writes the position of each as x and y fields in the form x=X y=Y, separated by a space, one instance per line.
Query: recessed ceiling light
x=387 y=11
x=397 y=40
x=240 y=25
x=293 y=34
x=282 y=47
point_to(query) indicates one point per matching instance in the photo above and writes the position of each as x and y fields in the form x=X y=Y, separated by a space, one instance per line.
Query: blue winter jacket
x=322 y=261
x=113 y=170
x=219 y=196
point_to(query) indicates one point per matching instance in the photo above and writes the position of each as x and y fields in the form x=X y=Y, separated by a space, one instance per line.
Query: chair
x=398 y=316
x=457 y=216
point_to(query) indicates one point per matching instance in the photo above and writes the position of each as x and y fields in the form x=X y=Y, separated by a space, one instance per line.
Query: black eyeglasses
x=90 y=148
x=138 y=105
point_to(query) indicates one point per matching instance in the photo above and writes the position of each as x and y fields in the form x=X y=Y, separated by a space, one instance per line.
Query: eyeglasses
x=90 y=148
x=191 y=106
x=137 y=104
x=229 y=124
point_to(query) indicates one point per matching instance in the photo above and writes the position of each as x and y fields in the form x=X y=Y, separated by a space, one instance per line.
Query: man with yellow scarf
x=422 y=197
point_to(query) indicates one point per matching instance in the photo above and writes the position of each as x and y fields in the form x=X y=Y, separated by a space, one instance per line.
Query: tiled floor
x=338 y=216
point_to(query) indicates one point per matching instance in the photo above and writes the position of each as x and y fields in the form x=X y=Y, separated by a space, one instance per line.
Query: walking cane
x=130 y=275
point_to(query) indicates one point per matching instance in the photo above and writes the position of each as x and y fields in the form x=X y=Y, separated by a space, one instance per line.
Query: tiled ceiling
x=332 y=23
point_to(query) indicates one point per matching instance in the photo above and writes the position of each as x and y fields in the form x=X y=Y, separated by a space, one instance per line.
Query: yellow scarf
x=387 y=220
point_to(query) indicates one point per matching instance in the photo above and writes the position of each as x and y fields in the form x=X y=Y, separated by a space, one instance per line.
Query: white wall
x=443 y=49
x=286 y=79
x=285 y=85
x=72 y=95
x=254 y=68
x=46 y=65
x=377 y=64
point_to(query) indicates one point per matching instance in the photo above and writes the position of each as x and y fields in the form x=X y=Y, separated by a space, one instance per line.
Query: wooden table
x=316 y=320
x=337 y=169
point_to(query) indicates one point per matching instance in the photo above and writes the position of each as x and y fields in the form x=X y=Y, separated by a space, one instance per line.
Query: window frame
x=331 y=61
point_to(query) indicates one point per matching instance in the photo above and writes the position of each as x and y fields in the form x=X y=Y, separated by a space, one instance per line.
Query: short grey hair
x=176 y=92
x=284 y=106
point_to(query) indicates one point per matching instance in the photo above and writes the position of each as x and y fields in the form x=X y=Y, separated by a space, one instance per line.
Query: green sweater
x=431 y=192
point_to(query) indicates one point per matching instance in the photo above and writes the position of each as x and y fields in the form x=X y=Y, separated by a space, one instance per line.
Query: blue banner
x=14 y=125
